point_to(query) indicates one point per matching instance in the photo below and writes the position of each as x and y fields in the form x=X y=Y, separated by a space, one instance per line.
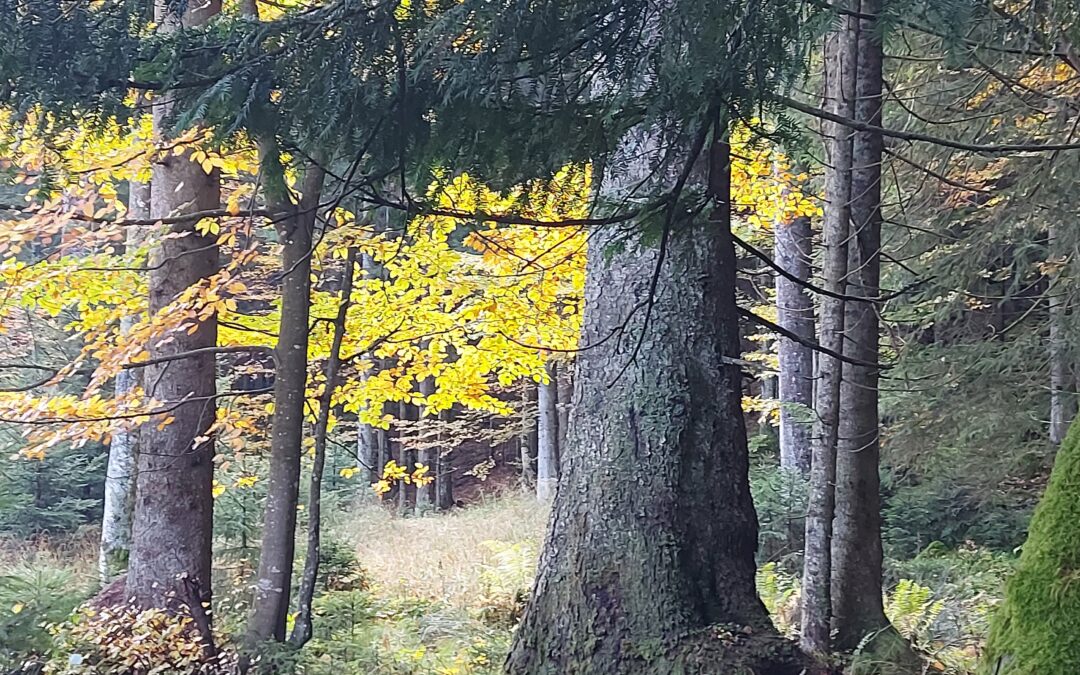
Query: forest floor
x=440 y=594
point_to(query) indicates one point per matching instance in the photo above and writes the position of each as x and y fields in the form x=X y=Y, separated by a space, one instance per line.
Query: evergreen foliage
x=53 y=495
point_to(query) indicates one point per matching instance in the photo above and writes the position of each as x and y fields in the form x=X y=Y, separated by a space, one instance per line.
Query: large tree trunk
x=1062 y=396
x=272 y=584
x=795 y=312
x=653 y=530
x=817 y=562
x=119 y=505
x=302 y=630
x=856 y=549
x=173 y=521
x=547 y=451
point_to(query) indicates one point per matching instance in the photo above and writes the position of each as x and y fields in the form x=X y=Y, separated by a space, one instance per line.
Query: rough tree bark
x=547 y=450
x=119 y=503
x=795 y=312
x=302 y=629
x=172 y=524
x=649 y=558
x=295 y=232
x=817 y=563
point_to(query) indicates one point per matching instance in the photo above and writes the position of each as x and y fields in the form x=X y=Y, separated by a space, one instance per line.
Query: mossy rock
x=1036 y=630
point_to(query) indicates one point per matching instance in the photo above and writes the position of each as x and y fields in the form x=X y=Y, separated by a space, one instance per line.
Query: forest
x=539 y=337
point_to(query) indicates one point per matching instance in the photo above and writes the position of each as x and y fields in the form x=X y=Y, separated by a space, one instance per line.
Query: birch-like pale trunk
x=528 y=437
x=428 y=456
x=547 y=436
x=566 y=403
x=795 y=312
x=120 y=474
x=1062 y=393
x=444 y=470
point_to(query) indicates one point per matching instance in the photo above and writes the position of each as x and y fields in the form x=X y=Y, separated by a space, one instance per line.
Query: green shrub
x=30 y=600
x=917 y=512
x=55 y=494
x=780 y=497
x=356 y=632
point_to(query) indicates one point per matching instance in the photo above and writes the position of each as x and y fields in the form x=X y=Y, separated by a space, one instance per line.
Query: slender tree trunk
x=547 y=451
x=527 y=438
x=302 y=629
x=368 y=438
x=274 y=577
x=1062 y=396
x=173 y=520
x=119 y=505
x=856 y=547
x=795 y=312
x=566 y=398
x=406 y=496
x=444 y=472
x=367 y=453
x=382 y=439
x=657 y=454
x=817 y=562
x=428 y=456
x=859 y=619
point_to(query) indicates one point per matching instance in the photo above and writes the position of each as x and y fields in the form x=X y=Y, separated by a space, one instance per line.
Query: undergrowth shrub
x=123 y=639
x=917 y=512
x=358 y=632
x=505 y=582
x=30 y=599
x=780 y=498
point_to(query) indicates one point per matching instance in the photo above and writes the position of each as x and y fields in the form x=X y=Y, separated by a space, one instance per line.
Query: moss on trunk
x=1034 y=632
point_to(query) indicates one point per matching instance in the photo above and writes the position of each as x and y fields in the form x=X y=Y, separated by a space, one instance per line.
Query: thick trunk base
x=726 y=649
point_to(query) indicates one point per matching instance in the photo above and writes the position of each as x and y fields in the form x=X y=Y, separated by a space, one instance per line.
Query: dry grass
x=76 y=554
x=444 y=557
